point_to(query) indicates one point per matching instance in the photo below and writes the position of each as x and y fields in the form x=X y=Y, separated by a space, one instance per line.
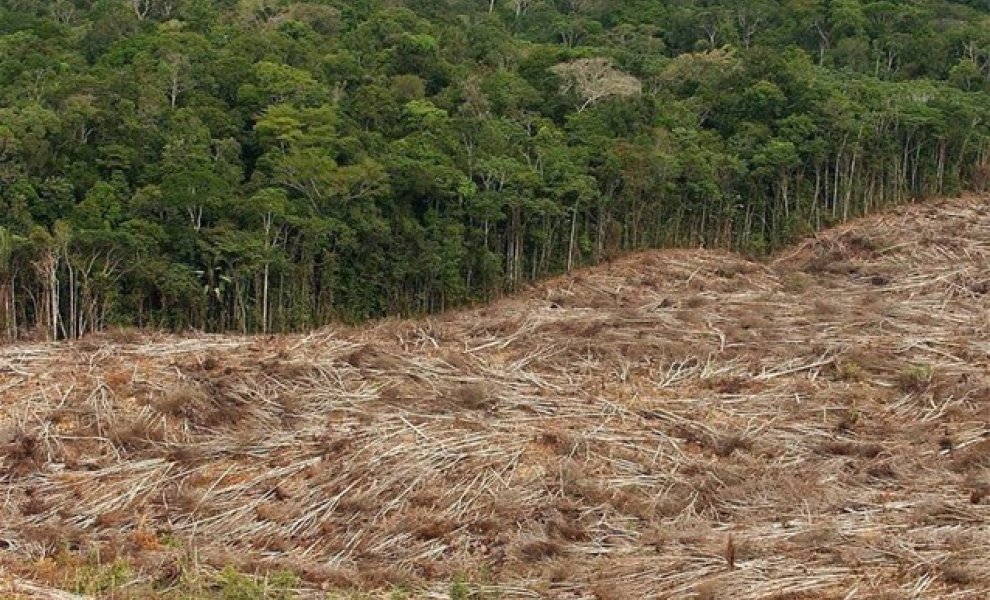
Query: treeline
x=269 y=165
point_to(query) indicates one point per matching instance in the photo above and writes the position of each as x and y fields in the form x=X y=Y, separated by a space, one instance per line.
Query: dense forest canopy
x=270 y=165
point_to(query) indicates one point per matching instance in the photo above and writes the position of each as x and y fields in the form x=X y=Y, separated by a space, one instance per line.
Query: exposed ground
x=676 y=424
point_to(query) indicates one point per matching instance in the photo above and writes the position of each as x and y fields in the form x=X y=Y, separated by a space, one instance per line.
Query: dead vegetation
x=680 y=424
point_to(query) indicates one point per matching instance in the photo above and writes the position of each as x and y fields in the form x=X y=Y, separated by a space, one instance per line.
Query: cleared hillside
x=675 y=424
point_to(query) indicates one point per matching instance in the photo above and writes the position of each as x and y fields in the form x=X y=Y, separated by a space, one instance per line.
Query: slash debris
x=674 y=424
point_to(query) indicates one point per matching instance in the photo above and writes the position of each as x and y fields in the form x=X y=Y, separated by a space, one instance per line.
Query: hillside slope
x=675 y=424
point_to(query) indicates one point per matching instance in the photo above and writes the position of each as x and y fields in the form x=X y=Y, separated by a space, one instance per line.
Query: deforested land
x=671 y=424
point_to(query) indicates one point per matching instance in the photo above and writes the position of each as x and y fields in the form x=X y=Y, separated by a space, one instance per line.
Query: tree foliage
x=273 y=165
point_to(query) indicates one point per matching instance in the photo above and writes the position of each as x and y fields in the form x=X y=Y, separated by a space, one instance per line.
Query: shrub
x=847 y=370
x=916 y=378
x=459 y=590
x=96 y=579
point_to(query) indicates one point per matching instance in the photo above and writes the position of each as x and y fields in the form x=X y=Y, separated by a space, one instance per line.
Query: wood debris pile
x=674 y=424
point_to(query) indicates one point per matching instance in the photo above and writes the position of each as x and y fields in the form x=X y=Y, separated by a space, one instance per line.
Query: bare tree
x=521 y=7
x=750 y=19
x=8 y=313
x=167 y=7
x=64 y=12
x=594 y=79
x=176 y=70
x=141 y=7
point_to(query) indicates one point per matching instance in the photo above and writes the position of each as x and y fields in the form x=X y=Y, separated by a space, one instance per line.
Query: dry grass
x=680 y=424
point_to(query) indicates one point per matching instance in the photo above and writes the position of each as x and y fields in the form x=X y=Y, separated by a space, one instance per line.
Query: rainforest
x=274 y=166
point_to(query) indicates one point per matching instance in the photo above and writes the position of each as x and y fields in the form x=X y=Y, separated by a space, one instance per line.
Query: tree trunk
x=572 y=238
